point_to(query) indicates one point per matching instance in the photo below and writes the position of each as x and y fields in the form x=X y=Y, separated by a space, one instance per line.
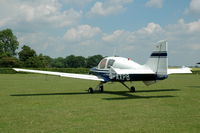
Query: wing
x=179 y=70
x=70 y=75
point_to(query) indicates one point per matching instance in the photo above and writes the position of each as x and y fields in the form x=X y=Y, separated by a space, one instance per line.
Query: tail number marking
x=122 y=77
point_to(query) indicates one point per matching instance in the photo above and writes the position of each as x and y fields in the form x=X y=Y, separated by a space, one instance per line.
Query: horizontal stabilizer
x=179 y=70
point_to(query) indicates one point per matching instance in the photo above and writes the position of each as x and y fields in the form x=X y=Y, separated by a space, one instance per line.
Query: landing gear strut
x=101 y=88
x=98 y=87
x=131 y=89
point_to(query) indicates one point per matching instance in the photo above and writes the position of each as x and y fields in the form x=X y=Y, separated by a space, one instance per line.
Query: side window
x=103 y=64
x=110 y=63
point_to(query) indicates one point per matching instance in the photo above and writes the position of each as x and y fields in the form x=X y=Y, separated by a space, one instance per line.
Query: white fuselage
x=123 y=65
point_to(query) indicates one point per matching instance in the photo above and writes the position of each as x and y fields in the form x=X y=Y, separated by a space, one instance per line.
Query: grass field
x=33 y=103
x=196 y=69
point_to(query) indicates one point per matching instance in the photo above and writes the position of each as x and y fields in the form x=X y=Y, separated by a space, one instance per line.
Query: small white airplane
x=120 y=69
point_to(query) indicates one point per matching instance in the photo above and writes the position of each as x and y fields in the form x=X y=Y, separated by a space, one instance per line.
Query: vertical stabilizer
x=158 y=60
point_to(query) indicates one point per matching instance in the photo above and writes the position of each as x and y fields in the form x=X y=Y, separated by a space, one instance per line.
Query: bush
x=7 y=71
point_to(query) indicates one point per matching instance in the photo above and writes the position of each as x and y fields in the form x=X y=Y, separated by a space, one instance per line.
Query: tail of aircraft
x=158 y=61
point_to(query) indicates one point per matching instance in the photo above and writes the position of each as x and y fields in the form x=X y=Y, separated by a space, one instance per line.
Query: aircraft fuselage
x=124 y=66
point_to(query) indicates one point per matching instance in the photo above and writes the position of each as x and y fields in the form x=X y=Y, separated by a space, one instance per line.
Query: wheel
x=101 y=88
x=90 y=90
x=132 y=89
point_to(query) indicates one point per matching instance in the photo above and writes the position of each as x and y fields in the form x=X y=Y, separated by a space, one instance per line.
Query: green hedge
x=7 y=71
x=196 y=71
x=66 y=70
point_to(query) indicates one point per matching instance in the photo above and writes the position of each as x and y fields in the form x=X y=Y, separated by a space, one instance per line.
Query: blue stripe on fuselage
x=101 y=73
x=126 y=77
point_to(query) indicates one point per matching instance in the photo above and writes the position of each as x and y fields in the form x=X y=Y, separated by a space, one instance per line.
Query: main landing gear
x=101 y=88
x=98 y=87
x=131 y=89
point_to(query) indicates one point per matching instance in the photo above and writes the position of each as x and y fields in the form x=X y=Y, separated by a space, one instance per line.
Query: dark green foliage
x=93 y=61
x=8 y=43
x=28 y=57
x=58 y=62
x=26 y=53
x=47 y=61
x=10 y=62
x=44 y=61
x=75 y=61
x=7 y=71
x=32 y=62
x=8 y=46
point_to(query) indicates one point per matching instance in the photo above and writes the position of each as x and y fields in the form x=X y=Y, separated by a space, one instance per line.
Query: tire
x=90 y=90
x=101 y=88
x=132 y=89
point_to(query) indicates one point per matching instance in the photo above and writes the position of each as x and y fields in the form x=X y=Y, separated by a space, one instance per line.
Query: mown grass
x=33 y=103
x=196 y=69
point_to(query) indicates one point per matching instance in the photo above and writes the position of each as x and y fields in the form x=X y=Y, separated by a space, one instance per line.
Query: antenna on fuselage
x=114 y=53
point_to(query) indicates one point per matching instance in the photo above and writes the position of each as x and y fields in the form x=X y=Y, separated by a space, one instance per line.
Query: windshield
x=102 y=64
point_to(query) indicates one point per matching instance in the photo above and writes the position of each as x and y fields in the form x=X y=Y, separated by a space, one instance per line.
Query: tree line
x=27 y=57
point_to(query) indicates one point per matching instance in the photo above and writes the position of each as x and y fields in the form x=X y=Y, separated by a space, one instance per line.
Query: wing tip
x=183 y=70
x=16 y=69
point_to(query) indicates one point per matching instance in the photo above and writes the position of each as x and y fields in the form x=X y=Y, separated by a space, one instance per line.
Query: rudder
x=158 y=60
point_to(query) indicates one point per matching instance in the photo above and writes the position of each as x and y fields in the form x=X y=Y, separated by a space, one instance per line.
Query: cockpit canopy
x=117 y=62
x=106 y=63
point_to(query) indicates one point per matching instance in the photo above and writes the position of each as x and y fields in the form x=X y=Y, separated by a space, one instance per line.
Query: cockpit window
x=110 y=63
x=103 y=64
